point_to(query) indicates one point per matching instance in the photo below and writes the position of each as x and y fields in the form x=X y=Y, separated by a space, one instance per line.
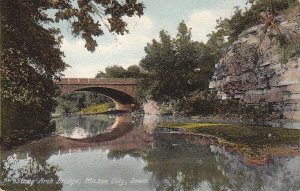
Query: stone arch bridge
x=123 y=91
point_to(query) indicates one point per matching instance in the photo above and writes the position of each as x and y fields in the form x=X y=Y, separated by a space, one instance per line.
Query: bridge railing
x=96 y=81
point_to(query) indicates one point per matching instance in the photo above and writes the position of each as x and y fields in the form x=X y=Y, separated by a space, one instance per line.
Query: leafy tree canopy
x=82 y=16
x=176 y=66
x=115 y=71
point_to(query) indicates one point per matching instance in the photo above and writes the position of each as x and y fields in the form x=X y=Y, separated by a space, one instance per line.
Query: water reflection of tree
x=120 y=154
x=179 y=165
x=279 y=174
x=184 y=167
x=13 y=170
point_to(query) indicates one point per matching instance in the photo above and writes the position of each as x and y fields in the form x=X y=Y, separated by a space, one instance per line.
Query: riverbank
x=113 y=112
x=104 y=108
x=256 y=143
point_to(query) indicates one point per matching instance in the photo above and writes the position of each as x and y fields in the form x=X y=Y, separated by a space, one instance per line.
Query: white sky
x=128 y=49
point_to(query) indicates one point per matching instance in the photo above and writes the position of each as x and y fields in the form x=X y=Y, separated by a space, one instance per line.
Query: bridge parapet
x=103 y=81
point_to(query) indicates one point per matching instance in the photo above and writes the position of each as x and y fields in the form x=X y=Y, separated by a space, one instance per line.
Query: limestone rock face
x=253 y=70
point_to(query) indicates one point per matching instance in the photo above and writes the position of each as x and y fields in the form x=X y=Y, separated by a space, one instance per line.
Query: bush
x=208 y=103
x=288 y=50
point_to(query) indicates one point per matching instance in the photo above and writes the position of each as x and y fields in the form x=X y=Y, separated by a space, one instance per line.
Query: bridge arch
x=121 y=91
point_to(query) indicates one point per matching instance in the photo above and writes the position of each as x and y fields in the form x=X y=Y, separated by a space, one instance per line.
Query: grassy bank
x=250 y=136
x=99 y=108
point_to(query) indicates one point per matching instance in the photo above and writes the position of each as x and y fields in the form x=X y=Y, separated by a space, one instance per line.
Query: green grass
x=252 y=136
x=191 y=125
x=100 y=108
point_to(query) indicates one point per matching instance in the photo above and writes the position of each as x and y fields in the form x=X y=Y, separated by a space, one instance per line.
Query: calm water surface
x=102 y=152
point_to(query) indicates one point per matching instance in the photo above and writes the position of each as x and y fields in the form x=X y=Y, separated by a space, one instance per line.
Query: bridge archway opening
x=122 y=100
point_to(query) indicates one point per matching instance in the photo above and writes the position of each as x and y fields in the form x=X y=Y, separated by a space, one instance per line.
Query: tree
x=217 y=45
x=176 y=67
x=115 y=71
x=100 y=74
x=31 y=56
x=133 y=71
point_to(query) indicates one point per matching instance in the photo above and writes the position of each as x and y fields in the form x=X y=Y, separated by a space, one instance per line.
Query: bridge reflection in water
x=81 y=133
x=121 y=126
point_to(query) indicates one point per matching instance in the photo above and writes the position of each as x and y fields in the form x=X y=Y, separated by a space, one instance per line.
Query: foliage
x=241 y=20
x=208 y=103
x=217 y=45
x=31 y=58
x=115 y=71
x=76 y=101
x=99 y=108
x=134 y=71
x=175 y=67
x=201 y=102
x=100 y=74
x=287 y=51
x=80 y=103
x=82 y=16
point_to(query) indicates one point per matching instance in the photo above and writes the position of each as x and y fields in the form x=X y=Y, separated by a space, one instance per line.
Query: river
x=103 y=152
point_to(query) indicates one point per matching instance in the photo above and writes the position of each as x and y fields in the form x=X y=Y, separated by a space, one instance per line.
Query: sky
x=128 y=49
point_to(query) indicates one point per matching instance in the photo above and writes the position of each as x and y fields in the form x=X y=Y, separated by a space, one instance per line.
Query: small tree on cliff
x=243 y=19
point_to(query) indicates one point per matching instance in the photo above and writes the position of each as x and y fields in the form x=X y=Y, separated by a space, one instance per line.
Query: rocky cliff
x=258 y=68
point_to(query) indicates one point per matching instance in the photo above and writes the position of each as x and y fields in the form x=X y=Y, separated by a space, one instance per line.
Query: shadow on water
x=14 y=137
